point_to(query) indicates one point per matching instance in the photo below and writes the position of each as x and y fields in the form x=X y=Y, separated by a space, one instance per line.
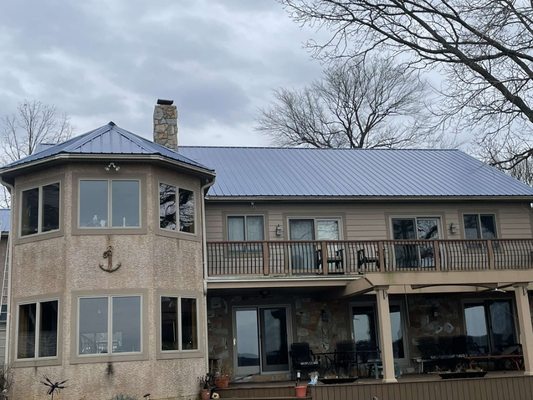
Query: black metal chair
x=346 y=358
x=302 y=358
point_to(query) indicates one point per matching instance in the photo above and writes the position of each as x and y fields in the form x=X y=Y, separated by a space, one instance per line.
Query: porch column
x=524 y=322
x=385 y=336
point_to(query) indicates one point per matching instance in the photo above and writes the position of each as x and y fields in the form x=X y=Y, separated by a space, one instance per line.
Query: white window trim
x=178 y=230
x=109 y=326
x=180 y=350
x=37 y=329
x=39 y=211
x=228 y=216
x=315 y=219
x=109 y=203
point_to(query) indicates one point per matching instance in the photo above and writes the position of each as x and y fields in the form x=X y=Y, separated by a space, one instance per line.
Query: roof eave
x=370 y=198
x=104 y=156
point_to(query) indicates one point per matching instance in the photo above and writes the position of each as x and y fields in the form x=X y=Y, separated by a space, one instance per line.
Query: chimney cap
x=164 y=102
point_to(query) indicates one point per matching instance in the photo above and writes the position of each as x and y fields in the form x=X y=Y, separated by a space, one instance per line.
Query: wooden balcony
x=345 y=257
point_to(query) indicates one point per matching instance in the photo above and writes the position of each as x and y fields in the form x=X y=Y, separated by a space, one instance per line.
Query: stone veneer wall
x=165 y=125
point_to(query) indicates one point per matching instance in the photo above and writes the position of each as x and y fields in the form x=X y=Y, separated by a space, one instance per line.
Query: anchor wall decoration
x=108 y=254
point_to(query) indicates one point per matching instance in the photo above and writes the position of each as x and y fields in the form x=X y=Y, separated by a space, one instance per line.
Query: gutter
x=299 y=198
x=203 y=191
x=8 y=266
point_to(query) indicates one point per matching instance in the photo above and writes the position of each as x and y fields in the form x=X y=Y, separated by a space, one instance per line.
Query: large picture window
x=39 y=209
x=176 y=208
x=37 y=330
x=109 y=324
x=179 y=323
x=479 y=226
x=109 y=203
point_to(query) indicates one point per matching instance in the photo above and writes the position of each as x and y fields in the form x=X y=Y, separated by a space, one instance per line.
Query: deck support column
x=524 y=322
x=385 y=335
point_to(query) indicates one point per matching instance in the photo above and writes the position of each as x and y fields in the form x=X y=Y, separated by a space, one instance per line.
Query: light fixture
x=279 y=231
x=453 y=228
x=111 y=166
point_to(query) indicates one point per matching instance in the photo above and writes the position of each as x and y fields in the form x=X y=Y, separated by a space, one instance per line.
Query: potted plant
x=205 y=386
x=222 y=378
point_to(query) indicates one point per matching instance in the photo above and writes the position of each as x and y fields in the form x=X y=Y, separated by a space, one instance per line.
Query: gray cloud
x=105 y=60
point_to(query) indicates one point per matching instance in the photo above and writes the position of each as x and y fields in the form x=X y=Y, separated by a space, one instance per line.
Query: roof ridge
x=86 y=137
x=310 y=148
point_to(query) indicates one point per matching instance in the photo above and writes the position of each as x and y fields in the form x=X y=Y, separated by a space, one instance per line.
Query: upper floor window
x=179 y=323
x=109 y=324
x=39 y=209
x=37 y=330
x=415 y=228
x=314 y=229
x=176 y=208
x=480 y=226
x=246 y=228
x=113 y=203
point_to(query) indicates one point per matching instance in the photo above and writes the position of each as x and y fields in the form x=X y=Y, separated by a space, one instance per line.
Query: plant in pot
x=300 y=387
x=205 y=386
x=223 y=377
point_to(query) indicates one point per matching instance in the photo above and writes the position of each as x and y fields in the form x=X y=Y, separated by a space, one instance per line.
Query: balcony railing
x=296 y=258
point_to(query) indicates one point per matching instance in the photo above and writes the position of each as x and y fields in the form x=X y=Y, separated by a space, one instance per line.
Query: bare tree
x=504 y=158
x=33 y=123
x=482 y=48
x=367 y=104
x=21 y=132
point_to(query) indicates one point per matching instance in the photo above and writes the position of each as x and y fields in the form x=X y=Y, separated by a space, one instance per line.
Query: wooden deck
x=494 y=386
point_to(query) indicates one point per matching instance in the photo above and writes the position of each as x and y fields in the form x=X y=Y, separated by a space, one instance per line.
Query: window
x=415 y=228
x=37 y=330
x=480 y=226
x=109 y=324
x=167 y=208
x=109 y=204
x=179 y=324
x=246 y=228
x=314 y=229
x=40 y=209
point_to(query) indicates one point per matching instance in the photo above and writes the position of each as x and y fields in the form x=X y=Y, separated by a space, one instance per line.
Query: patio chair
x=346 y=357
x=302 y=358
x=363 y=260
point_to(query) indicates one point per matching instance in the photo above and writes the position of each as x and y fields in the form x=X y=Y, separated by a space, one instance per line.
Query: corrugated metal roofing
x=253 y=172
x=5 y=221
x=108 y=139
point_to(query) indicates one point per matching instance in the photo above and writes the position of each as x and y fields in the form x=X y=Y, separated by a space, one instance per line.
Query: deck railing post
x=324 y=252
x=436 y=255
x=286 y=265
x=381 y=256
x=490 y=254
x=266 y=258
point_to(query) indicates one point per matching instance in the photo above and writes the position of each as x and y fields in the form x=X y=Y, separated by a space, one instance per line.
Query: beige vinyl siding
x=371 y=221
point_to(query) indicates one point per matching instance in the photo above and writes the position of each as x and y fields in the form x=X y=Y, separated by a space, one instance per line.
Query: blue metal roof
x=5 y=221
x=288 y=172
x=108 y=139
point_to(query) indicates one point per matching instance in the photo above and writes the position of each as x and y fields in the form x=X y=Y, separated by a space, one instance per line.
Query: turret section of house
x=166 y=124
x=107 y=273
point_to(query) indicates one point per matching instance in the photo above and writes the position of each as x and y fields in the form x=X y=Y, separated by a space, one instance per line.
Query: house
x=136 y=268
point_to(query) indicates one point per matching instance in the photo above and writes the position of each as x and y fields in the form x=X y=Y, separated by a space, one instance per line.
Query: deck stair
x=260 y=392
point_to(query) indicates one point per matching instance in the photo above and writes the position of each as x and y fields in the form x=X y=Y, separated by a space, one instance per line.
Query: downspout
x=203 y=191
x=8 y=265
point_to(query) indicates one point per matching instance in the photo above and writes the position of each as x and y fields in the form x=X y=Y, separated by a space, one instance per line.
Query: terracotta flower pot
x=301 y=391
x=222 y=382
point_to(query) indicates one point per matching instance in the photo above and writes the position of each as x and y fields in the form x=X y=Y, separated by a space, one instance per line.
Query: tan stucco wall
x=371 y=220
x=152 y=261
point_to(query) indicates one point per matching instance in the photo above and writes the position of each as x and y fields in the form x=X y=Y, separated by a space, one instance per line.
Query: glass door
x=261 y=340
x=246 y=342
x=364 y=325
x=303 y=255
x=417 y=228
x=490 y=326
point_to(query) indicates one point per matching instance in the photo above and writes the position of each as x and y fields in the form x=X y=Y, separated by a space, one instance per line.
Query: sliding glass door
x=261 y=340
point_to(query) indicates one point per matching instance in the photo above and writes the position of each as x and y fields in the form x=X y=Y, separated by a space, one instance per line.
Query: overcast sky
x=103 y=60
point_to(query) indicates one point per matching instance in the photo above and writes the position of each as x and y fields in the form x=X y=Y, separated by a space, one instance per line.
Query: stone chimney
x=166 y=124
